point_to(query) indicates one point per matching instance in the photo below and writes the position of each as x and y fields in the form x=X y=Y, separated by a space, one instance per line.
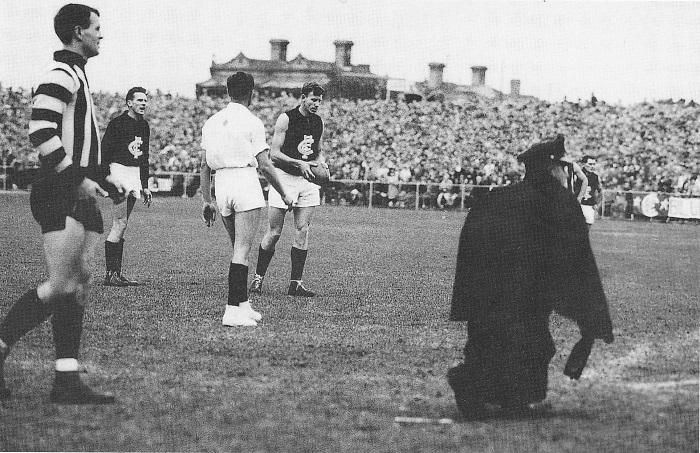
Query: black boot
x=112 y=264
x=469 y=405
x=119 y=256
x=69 y=389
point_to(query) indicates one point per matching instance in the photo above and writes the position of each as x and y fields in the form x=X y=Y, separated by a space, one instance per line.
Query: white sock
x=245 y=305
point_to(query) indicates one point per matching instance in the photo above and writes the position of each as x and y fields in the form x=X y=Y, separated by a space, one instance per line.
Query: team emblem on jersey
x=135 y=147
x=304 y=147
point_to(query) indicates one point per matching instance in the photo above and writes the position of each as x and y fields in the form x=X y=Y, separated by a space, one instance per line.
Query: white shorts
x=302 y=191
x=588 y=213
x=237 y=190
x=130 y=177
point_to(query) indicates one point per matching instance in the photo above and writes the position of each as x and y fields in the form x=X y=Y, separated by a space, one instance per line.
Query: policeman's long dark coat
x=524 y=250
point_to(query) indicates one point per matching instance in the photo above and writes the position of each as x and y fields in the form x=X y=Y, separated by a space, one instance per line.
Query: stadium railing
x=617 y=204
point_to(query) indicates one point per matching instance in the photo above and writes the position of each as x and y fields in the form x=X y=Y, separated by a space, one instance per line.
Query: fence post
x=417 y=196
x=4 y=171
x=371 y=193
x=602 y=204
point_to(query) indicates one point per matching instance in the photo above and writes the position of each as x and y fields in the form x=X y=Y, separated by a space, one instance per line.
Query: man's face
x=590 y=164
x=138 y=103
x=91 y=37
x=312 y=102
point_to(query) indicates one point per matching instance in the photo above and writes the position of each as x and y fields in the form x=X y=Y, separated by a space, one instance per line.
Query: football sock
x=264 y=258
x=237 y=284
x=120 y=255
x=298 y=262
x=111 y=255
x=27 y=313
x=67 y=323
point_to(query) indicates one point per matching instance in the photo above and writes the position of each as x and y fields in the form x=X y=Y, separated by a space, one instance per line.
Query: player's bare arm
x=578 y=171
x=277 y=155
x=209 y=208
x=268 y=171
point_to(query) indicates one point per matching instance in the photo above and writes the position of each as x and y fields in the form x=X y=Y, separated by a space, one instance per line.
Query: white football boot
x=254 y=315
x=237 y=316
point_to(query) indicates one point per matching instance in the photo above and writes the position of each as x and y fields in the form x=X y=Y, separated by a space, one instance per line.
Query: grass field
x=331 y=373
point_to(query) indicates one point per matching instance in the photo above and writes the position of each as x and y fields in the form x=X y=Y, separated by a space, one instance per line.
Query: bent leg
x=274 y=230
x=120 y=219
x=267 y=245
x=302 y=226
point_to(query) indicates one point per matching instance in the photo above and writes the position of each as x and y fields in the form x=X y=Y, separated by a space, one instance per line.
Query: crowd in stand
x=646 y=147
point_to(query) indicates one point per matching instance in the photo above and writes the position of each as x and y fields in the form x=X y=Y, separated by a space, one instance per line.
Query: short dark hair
x=130 y=94
x=240 y=84
x=70 y=16
x=586 y=158
x=312 y=88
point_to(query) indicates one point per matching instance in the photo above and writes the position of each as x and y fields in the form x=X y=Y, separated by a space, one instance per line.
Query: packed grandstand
x=650 y=146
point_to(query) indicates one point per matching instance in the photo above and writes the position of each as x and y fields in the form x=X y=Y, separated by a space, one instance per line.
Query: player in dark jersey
x=125 y=155
x=296 y=147
x=63 y=201
x=593 y=192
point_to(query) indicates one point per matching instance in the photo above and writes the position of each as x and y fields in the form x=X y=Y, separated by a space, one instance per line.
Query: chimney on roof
x=342 y=53
x=435 y=75
x=515 y=87
x=278 y=49
x=478 y=76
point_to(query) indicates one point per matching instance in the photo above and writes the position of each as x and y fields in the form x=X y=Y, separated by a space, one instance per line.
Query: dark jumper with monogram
x=126 y=142
x=302 y=139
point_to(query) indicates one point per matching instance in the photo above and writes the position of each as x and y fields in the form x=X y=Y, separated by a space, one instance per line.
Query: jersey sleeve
x=145 y=168
x=259 y=140
x=49 y=105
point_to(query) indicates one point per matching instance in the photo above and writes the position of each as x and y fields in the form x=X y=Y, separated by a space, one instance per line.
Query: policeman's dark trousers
x=506 y=362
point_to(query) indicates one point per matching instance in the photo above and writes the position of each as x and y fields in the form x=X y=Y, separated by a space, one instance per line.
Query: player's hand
x=305 y=168
x=92 y=188
x=209 y=213
x=288 y=201
x=147 y=197
x=119 y=194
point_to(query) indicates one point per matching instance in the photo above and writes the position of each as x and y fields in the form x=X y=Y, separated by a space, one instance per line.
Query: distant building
x=340 y=78
x=437 y=89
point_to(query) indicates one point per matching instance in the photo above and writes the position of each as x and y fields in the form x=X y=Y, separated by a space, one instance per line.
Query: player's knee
x=85 y=278
x=302 y=231
x=69 y=287
x=274 y=234
x=119 y=226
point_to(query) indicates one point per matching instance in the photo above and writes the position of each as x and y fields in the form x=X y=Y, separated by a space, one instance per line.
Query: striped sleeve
x=49 y=105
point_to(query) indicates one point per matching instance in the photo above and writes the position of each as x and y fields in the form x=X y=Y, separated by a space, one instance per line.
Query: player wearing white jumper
x=234 y=147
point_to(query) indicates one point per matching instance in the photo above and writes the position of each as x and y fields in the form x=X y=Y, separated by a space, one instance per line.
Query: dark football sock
x=120 y=255
x=27 y=313
x=67 y=323
x=111 y=256
x=298 y=262
x=264 y=258
x=237 y=284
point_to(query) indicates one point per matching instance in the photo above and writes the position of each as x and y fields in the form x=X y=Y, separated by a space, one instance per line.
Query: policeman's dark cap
x=240 y=84
x=552 y=150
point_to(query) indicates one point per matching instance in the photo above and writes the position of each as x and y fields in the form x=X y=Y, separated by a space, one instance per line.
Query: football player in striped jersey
x=63 y=201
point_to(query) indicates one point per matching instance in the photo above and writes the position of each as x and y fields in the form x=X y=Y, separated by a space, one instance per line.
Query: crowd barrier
x=616 y=204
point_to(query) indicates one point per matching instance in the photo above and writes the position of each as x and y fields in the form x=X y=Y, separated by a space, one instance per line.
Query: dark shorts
x=51 y=202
